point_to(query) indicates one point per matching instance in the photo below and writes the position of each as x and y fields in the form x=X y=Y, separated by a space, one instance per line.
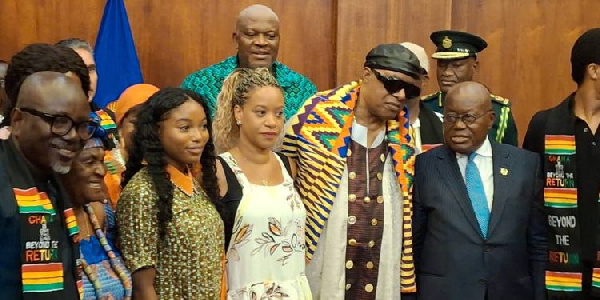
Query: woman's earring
x=238 y=122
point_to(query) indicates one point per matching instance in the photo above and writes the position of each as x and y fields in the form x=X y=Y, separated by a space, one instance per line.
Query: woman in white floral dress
x=264 y=216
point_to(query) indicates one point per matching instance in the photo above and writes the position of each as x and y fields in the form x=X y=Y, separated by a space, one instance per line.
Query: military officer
x=456 y=57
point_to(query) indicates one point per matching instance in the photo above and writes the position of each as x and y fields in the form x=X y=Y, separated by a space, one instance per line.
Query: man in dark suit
x=479 y=225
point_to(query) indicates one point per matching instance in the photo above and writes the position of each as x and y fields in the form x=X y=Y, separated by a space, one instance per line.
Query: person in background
x=425 y=124
x=104 y=272
x=567 y=139
x=256 y=37
x=171 y=233
x=126 y=109
x=456 y=59
x=354 y=157
x=86 y=52
x=113 y=159
x=50 y=122
x=265 y=218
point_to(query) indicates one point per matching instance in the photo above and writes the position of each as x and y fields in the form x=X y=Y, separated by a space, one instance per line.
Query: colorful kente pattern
x=42 y=278
x=71 y=222
x=563 y=281
x=31 y=201
x=560 y=144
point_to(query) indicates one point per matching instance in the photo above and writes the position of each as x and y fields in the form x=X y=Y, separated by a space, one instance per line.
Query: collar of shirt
x=484 y=150
x=185 y=182
x=359 y=135
x=416 y=123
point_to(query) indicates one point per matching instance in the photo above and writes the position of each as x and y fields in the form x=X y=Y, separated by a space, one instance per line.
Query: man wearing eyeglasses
x=354 y=160
x=456 y=56
x=38 y=231
x=479 y=223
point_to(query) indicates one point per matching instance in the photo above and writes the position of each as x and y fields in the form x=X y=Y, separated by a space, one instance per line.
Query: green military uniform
x=457 y=45
x=504 y=129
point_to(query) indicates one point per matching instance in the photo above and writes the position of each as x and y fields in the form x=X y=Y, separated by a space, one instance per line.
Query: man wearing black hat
x=354 y=159
x=567 y=137
x=456 y=56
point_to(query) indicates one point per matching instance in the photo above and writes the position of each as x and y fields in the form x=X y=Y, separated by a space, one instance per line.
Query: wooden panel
x=363 y=26
x=175 y=38
x=46 y=21
x=528 y=58
x=183 y=36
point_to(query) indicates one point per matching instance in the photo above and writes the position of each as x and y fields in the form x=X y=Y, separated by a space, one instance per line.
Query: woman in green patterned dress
x=171 y=233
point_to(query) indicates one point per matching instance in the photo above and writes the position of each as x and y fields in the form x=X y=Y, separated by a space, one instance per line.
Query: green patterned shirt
x=208 y=82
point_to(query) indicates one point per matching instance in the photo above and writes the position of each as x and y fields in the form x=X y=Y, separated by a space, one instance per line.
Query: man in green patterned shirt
x=257 y=39
x=456 y=56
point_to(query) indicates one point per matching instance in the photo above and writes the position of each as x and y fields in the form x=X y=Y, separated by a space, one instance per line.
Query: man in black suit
x=479 y=225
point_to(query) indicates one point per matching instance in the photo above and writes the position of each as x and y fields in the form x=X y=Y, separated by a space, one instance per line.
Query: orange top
x=185 y=182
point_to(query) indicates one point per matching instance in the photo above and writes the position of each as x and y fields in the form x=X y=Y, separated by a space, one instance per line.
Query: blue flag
x=116 y=59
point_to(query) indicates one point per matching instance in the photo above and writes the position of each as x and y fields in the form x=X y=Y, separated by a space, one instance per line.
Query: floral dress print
x=265 y=259
x=188 y=264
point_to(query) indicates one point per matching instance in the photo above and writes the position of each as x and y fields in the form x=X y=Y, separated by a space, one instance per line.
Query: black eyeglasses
x=393 y=85
x=61 y=125
x=467 y=119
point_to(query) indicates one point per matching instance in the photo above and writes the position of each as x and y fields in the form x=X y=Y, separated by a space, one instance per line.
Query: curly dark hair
x=39 y=58
x=148 y=147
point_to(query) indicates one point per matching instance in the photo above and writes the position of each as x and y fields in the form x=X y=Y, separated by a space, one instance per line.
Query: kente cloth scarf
x=564 y=269
x=40 y=228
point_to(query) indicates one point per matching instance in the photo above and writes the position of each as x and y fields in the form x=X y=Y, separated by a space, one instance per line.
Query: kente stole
x=564 y=270
x=40 y=229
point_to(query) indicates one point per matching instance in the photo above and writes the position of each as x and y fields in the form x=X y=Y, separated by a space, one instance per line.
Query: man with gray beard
x=50 y=121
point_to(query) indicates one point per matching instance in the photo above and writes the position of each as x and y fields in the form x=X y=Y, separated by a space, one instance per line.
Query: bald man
x=256 y=37
x=479 y=225
x=38 y=233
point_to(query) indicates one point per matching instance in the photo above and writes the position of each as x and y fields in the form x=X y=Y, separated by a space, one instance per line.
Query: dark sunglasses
x=61 y=125
x=393 y=85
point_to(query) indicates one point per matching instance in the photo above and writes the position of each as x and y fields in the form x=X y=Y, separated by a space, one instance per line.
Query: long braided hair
x=236 y=89
x=148 y=148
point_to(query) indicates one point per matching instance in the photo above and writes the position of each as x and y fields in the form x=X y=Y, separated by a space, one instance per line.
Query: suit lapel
x=502 y=179
x=449 y=170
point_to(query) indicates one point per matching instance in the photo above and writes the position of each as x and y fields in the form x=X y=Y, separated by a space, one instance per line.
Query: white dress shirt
x=484 y=163
x=326 y=272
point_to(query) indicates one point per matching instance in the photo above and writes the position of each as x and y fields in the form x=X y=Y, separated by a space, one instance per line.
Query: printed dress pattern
x=265 y=259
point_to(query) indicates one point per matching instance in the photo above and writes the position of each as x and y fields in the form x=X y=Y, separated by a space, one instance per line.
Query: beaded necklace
x=111 y=255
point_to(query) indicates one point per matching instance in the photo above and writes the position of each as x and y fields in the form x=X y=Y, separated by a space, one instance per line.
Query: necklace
x=125 y=280
x=264 y=180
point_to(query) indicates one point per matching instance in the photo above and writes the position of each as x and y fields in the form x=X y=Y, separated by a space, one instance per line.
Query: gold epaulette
x=500 y=100
x=423 y=98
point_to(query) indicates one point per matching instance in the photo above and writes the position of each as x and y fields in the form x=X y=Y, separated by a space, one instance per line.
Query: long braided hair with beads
x=236 y=90
x=148 y=151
